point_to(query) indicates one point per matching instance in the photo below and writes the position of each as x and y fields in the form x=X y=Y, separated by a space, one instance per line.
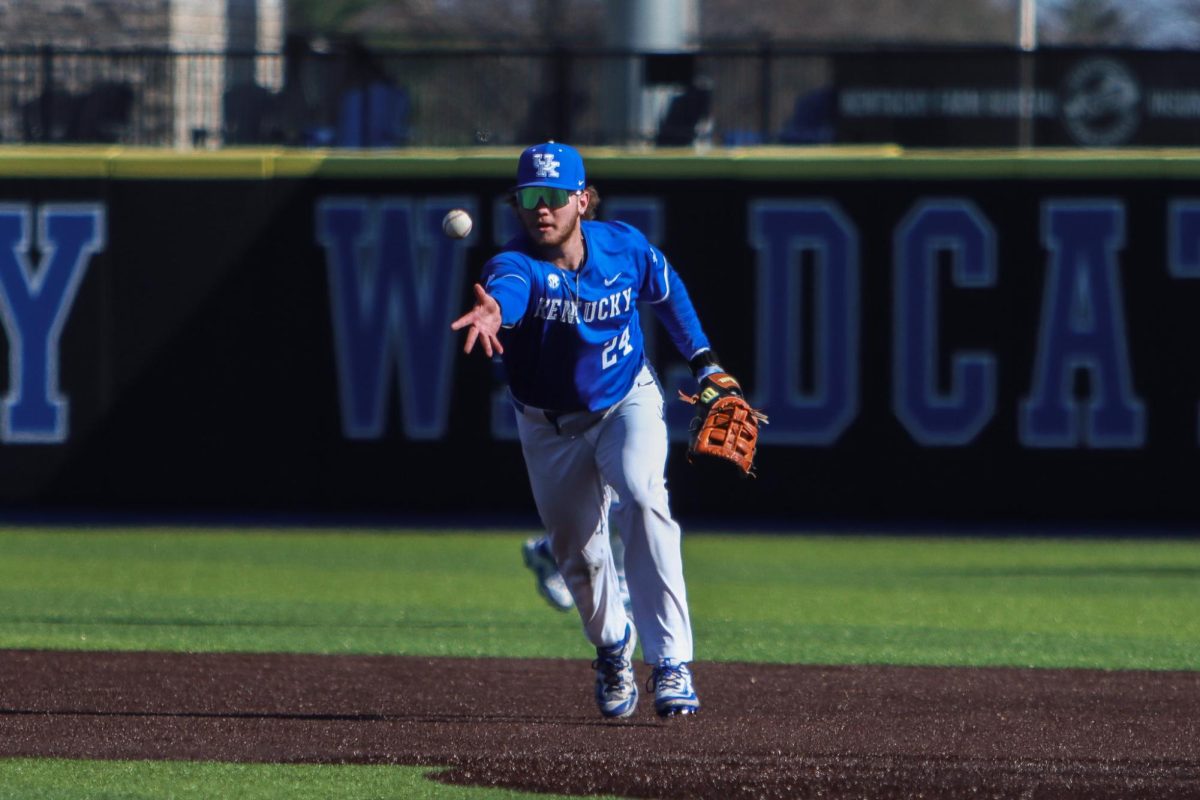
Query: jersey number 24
x=615 y=348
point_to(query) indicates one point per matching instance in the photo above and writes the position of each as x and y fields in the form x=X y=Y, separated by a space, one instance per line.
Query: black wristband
x=705 y=358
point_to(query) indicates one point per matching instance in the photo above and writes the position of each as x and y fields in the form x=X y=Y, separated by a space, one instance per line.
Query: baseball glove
x=725 y=426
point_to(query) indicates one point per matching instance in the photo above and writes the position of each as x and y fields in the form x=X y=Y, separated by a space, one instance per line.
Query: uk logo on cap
x=545 y=165
x=551 y=164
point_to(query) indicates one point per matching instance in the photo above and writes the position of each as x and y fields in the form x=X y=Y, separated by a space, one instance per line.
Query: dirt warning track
x=766 y=731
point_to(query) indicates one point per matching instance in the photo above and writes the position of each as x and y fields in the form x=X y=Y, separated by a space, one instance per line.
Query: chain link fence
x=352 y=97
x=370 y=99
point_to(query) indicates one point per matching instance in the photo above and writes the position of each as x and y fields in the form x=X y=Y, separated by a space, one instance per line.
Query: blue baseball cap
x=551 y=164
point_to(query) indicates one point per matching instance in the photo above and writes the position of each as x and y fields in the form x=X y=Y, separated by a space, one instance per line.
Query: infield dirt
x=766 y=731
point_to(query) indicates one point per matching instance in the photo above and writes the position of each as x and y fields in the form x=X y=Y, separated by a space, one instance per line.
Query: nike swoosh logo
x=612 y=280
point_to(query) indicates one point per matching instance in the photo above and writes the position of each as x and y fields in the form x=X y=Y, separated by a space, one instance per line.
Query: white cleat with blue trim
x=674 y=694
x=550 y=583
x=616 y=689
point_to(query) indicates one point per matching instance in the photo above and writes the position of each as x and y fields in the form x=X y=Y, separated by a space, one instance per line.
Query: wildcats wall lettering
x=395 y=285
x=35 y=302
x=1082 y=326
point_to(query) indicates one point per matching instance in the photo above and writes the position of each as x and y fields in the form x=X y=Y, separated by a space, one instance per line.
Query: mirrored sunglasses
x=531 y=196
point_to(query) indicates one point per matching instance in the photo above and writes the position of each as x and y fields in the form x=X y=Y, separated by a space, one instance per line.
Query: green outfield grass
x=1103 y=603
x=57 y=779
x=1118 y=604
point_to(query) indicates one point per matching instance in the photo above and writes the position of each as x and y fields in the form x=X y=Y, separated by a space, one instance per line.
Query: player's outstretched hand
x=482 y=323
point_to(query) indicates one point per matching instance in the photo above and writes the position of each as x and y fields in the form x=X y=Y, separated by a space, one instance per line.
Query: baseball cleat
x=550 y=583
x=616 y=689
x=674 y=695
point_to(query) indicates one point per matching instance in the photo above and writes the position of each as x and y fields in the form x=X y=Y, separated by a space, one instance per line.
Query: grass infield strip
x=1103 y=603
x=61 y=779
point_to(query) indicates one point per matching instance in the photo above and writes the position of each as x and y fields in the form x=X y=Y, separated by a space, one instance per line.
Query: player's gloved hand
x=717 y=385
x=724 y=427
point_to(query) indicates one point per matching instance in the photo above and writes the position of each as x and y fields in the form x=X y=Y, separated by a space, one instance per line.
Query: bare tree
x=860 y=21
x=450 y=22
x=1153 y=23
x=1092 y=22
x=316 y=17
x=1183 y=25
x=529 y=22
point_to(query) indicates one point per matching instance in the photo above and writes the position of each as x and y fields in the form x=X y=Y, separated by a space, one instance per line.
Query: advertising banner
x=981 y=98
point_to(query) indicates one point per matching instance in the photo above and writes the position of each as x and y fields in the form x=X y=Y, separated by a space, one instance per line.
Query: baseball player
x=560 y=304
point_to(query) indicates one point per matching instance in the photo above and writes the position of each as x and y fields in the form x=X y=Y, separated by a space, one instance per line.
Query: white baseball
x=456 y=224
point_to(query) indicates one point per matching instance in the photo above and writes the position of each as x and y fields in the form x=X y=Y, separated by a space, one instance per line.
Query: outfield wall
x=950 y=336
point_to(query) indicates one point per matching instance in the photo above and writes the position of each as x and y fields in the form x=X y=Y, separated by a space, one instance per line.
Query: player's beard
x=553 y=238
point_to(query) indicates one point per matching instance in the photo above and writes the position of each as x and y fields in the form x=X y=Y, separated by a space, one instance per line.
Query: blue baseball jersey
x=573 y=340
